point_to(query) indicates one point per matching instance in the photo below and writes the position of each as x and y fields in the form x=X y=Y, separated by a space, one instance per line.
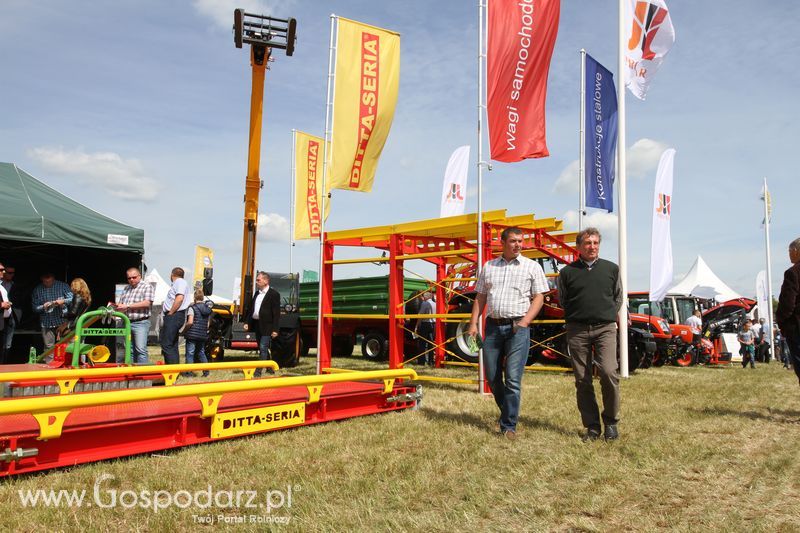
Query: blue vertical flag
x=600 y=130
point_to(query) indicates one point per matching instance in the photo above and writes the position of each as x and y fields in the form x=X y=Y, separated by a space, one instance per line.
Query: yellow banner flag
x=308 y=186
x=367 y=76
x=203 y=258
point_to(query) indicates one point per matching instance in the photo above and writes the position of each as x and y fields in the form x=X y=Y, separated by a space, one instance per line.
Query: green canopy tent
x=43 y=230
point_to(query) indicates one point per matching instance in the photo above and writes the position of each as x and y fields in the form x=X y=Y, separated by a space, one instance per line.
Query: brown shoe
x=510 y=435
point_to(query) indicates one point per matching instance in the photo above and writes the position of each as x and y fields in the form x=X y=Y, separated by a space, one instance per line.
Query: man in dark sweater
x=590 y=293
x=788 y=314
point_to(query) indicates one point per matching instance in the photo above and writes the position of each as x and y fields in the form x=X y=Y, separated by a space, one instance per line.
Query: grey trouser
x=581 y=338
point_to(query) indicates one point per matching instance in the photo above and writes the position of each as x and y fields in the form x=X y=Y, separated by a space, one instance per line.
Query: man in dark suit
x=264 y=316
x=788 y=314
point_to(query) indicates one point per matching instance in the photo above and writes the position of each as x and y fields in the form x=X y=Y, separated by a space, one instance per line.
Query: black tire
x=458 y=331
x=375 y=346
x=343 y=345
x=283 y=349
x=305 y=346
x=688 y=358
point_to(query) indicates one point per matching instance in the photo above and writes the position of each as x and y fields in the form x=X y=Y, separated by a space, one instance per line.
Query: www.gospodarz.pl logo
x=105 y=496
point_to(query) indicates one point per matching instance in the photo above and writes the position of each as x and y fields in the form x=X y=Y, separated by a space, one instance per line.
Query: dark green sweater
x=590 y=296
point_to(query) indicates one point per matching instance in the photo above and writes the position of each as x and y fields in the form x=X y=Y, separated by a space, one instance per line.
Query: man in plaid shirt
x=136 y=301
x=512 y=289
x=49 y=300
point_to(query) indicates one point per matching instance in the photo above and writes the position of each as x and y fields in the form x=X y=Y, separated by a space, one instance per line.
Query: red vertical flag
x=520 y=41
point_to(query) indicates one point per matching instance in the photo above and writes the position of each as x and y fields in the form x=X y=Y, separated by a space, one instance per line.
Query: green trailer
x=356 y=296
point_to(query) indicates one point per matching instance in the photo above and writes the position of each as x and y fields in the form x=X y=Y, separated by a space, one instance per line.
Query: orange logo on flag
x=664 y=205
x=647 y=20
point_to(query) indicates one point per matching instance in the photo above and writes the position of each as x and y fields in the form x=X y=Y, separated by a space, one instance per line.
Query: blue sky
x=140 y=110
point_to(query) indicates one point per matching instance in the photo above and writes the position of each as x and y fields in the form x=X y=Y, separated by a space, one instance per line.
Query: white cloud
x=567 y=181
x=273 y=227
x=643 y=157
x=119 y=177
x=605 y=222
x=221 y=11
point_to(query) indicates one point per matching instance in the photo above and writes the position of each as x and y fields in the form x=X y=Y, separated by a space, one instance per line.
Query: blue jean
x=194 y=346
x=139 y=332
x=505 y=351
x=169 y=337
x=264 y=343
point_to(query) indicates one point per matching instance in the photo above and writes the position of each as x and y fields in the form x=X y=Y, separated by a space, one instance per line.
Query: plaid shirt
x=133 y=295
x=510 y=286
x=42 y=294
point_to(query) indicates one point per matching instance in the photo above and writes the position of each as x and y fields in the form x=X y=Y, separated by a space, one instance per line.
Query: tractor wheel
x=688 y=358
x=343 y=345
x=375 y=346
x=458 y=332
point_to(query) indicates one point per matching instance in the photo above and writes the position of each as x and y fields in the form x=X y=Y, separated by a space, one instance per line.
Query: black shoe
x=611 y=433
x=206 y=373
x=591 y=434
x=187 y=374
x=257 y=373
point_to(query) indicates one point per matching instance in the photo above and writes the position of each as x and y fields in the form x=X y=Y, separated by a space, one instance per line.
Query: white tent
x=701 y=282
x=162 y=287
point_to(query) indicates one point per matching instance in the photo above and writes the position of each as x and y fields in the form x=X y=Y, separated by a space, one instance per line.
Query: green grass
x=700 y=449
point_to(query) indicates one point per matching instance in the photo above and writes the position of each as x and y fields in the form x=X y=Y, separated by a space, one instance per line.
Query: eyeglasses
x=132 y=277
x=2 y=269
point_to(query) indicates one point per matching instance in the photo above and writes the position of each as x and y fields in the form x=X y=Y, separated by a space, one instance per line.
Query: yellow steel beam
x=446 y=380
x=346 y=315
x=436 y=315
x=449 y=280
x=535 y=368
x=433 y=226
x=545 y=368
x=51 y=411
x=357 y=260
x=68 y=378
x=439 y=253
x=333 y=370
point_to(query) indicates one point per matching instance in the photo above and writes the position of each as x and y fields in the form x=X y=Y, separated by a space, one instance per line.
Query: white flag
x=454 y=191
x=763 y=299
x=661 y=247
x=767 y=197
x=650 y=36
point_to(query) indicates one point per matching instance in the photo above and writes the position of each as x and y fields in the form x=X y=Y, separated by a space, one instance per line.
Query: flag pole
x=481 y=107
x=582 y=151
x=621 y=176
x=292 y=199
x=770 y=318
x=324 y=195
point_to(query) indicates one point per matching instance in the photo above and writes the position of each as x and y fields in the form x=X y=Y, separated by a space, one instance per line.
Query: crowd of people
x=58 y=305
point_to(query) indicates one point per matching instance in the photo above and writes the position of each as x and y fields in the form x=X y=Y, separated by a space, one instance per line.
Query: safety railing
x=66 y=379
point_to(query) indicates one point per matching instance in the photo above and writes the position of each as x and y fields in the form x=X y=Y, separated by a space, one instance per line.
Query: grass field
x=700 y=449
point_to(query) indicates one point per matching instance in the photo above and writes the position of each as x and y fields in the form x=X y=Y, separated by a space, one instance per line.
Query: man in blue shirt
x=49 y=300
x=175 y=305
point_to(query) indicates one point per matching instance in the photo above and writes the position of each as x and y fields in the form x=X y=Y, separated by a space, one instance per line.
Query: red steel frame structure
x=442 y=242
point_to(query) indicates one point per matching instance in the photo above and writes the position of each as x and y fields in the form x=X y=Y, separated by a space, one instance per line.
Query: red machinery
x=69 y=428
